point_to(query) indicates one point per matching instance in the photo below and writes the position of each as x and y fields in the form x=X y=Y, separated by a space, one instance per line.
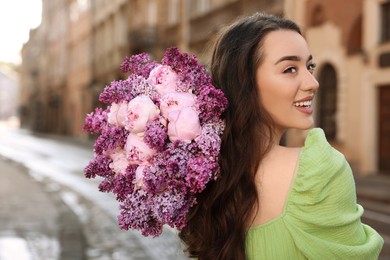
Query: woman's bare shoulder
x=274 y=179
x=281 y=156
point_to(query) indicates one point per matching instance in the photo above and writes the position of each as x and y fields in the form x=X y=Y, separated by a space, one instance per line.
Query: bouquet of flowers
x=158 y=139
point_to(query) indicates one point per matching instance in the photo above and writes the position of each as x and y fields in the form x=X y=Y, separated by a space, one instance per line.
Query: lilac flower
x=212 y=103
x=95 y=121
x=139 y=86
x=110 y=139
x=209 y=142
x=100 y=166
x=192 y=74
x=117 y=92
x=123 y=183
x=171 y=206
x=173 y=160
x=136 y=213
x=107 y=184
x=200 y=172
x=155 y=135
x=155 y=181
x=138 y=64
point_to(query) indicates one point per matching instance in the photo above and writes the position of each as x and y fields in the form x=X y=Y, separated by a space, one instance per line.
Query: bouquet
x=158 y=139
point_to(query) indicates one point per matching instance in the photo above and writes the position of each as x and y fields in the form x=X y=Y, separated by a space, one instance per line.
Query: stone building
x=80 y=44
x=79 y=68
x=44 y=69
x=9 y=88
x=56 y=15
x=31 y=97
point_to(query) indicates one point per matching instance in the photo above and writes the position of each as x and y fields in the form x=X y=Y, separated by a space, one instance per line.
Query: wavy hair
x=217 y=225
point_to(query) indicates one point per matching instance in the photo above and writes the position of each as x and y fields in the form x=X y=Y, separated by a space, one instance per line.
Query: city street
x=54 y=212
x=49 y=210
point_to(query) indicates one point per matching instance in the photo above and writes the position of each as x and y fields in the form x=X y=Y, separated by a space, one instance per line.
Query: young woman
x=274 y=202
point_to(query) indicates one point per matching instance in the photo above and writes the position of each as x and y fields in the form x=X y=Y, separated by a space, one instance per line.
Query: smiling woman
x=271 y=201
x=15 y=30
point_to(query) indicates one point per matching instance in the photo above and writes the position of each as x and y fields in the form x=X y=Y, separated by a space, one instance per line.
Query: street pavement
x=373 y=193
x=374 y=187
x=42 y=218
x=29 y=219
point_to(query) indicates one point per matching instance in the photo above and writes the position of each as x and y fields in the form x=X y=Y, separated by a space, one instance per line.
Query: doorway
x=384 y=128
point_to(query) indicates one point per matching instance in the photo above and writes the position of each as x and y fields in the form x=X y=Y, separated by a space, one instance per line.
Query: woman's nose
x=310 y=82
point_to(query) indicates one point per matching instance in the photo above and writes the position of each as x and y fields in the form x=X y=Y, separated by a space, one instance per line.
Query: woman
x=274 y=202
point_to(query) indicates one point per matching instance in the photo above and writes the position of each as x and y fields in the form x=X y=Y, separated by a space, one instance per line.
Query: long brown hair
x=218 y=223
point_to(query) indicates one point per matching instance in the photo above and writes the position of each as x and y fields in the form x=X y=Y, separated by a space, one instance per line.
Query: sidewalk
x=34 y=224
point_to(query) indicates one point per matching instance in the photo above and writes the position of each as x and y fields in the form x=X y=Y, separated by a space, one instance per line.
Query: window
x=385 y=15
x=327 y=101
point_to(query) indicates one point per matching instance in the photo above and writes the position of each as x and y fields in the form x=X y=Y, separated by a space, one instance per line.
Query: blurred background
x=78 y=46
x=56 y=56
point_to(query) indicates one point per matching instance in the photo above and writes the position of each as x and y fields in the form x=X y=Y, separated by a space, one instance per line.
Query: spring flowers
x=158 y=139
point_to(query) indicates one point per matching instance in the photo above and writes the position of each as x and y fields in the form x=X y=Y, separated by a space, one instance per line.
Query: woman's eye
x=290 y=70
x=311 y=67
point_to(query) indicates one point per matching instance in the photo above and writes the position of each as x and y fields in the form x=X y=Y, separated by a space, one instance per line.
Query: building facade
x=9 y=90
x=80 y=44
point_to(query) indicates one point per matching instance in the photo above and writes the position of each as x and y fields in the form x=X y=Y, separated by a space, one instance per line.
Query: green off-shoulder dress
x=321 y=219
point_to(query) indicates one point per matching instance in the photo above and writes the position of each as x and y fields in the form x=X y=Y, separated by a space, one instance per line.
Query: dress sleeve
x=323 y=215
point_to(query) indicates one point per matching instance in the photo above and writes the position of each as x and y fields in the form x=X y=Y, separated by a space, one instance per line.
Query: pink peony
x=117 y=114
x=140 y=111
x=137 y=151
x=119 y=161
x=139 y=178
x=184 y=125
x=176 y=101
x=163 y=79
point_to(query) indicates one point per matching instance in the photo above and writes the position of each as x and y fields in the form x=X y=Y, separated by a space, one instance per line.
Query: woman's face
x=285 y=80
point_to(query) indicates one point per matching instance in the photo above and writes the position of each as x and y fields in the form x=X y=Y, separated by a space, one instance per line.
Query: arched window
x=327 y=101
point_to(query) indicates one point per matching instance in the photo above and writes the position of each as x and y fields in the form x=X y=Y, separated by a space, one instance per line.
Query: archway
x=327 y=101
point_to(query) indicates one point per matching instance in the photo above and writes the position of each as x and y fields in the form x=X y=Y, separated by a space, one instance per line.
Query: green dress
x=321 y=219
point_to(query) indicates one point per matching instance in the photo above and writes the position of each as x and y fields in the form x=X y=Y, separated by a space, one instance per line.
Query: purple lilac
x=107 y=184
x=155 y=182
x=192 y=74
x=209 y=142
x=110 y=139
x=117 y=92
x=138 y=64
x=96 y=121
x=123 y=183
x=100 y=166
x=173 y=159
x=155 y=135
x=140 y=86
x=136 y=213
x=171 y=206
x=200 y=172
x=211 y=103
